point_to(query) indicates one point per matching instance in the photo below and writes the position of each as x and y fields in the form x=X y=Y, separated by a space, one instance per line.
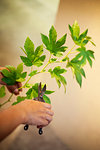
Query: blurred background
x=76 y=124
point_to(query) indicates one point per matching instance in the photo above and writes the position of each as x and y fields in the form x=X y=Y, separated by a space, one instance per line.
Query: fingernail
x=16 y=91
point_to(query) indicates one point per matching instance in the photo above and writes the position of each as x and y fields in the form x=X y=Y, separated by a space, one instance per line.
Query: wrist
x=18 y=113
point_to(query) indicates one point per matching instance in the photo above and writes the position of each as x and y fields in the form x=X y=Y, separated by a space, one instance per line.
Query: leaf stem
x=46 y=64
x=69 y=52
x=9 y=99
x=23 y=50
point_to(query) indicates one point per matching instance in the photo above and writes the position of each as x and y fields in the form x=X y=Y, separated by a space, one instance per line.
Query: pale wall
x=77 y=114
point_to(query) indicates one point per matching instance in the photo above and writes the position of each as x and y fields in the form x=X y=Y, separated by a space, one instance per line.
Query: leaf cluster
x=52 y=45
x=13 y=75
x=33 y=57
x=79 y=39
x=32 y=93
x=56 y=73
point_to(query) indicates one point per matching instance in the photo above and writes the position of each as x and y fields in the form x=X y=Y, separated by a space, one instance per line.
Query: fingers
x=16 y=91
x=14 y=88
x=19 y=85
x=47 y=105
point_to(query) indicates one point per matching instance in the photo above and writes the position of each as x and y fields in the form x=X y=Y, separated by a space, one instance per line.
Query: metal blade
x=39 y=90
x=43 y=90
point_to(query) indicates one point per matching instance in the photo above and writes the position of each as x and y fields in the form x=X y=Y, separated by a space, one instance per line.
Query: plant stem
x=69 y=52
x=46 y=64
x=7 y=100
x=23 y=50
x=26 y=82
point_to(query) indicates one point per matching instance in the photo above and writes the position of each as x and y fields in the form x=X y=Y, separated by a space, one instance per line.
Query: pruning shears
x=41 y=92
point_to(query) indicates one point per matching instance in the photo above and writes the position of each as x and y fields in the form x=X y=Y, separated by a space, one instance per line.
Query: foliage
x=13 y=75
x=58 y=50
x=2 y=91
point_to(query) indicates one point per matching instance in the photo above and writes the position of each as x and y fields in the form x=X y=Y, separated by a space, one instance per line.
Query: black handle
x=26 y=127
x=40 y=131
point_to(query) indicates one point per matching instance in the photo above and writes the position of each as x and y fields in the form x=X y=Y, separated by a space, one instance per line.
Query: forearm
x=9 y=120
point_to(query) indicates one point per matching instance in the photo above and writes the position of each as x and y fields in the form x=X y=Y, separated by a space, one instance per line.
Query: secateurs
x=41 y=92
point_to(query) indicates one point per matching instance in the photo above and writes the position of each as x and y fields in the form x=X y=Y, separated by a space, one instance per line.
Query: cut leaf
x=46 y=99
x=26 y=61
x=2 y=92
x=49 y=92
x=29 y=47
x=20 y=68
x=33 y=73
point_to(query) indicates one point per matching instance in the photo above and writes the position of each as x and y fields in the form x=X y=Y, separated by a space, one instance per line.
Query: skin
x=27 y=112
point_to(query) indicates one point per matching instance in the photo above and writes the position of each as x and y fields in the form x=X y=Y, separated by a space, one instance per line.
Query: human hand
x=36 y=113
x=16 y=88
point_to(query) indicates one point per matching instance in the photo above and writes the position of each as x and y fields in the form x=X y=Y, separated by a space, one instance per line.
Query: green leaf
x=31 y=93
x=33 y=73
x=2 y=92
x=83 y=35
x=58 y=82
x=82 y=72
x=10 y=68
x=79 y=39
x=78 y=78
x=42 y=58
x=76 y=30
x=14 y=74
x=71 y=30
x=93 y=43
x=85 y=42
x=45 y=40
x=77 y=71
x=61 y=41
x=6 y=73
x=49 y=92
x=23 y=75
x=58 y=70
x=20 y=80
x=20 y=68
x=26 y=61
x=29 y=47
x=64 y=59
x=39 y=61
x=52 y=35
x=53 y=60
x=91 y=53
x=46 y=99
x=54 y=47
x=35 y=87
x=39 y=51
x=28 y=85
x=8 y=81
x=56 y=73
x=85 y=55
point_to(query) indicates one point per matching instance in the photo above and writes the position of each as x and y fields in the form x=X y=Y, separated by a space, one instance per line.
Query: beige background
x=77 y=113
